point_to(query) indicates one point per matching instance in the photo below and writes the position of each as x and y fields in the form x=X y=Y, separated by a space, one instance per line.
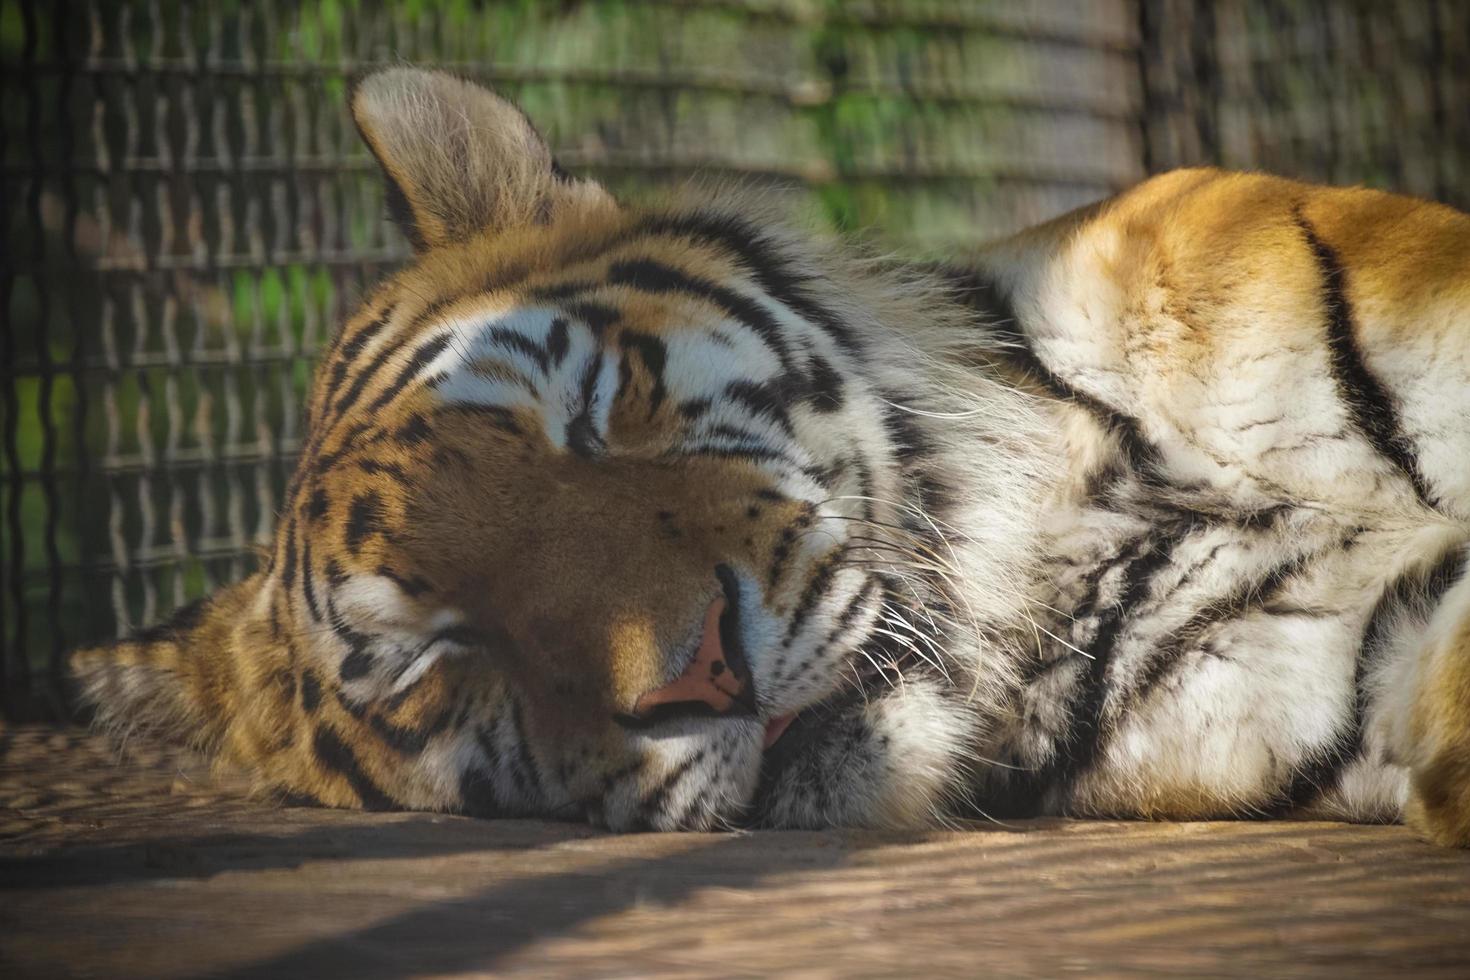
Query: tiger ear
x=459 y=160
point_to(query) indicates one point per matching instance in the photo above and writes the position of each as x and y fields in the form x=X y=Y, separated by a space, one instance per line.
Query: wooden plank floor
x=140 y=865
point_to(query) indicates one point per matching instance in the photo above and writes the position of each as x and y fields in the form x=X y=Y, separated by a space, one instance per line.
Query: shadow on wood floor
x=141 y=865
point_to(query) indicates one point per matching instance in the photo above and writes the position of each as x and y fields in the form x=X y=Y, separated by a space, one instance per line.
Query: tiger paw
x=1439 y=799
x=888 y=761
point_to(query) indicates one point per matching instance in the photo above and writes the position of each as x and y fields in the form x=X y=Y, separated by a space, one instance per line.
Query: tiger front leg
x=1435 y=729
x=891 y=759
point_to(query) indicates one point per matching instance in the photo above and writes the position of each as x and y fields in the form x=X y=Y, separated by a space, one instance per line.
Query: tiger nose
x=716 y=682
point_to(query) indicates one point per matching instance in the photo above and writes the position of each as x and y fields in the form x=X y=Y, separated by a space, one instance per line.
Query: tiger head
x=595 y=500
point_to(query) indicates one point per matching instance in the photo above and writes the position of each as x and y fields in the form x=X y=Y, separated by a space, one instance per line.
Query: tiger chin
x=668 y=517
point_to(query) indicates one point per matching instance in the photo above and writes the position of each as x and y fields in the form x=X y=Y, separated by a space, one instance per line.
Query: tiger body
x=1160 y=509
x=1281 y=507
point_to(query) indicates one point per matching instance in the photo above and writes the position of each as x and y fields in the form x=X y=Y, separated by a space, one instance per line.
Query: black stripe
x=422 y=356
x=288 y=566
x=484 y=737
x=369 y=371
x=986 y=298
x=358 y=661
x=395 y=700
x=319 y=462
x=308 y=581
x=477 y=795
x=389 y=351
x=910 y=443
x=352 y=348
x=318 y=505
x=402 y=739
x=413 y=431
x=518 y=343
x=523 y=769
x=500 y=417
x=1318 y=774
x=773 y=272
x=557 y=341
x=564 y=290
x=844 y=621
x=865 y=482
x=654 y=355
x=320 y=427
x=597 y=316
x=651 y=803
x=1321 y=772
x=311 y=691
x=1171 y=654
x=1091 y=587
x=694 y=408
x=815 y=590
x=364 y=519
x=1369 y=403
x=656 y=277
x=1399 y=594
x=410 y=741
x=611 y=779
x=336 y=756
x=1080 y=747
x=762 y=399
x=849 y=613
x=396 y=473
x=581 y=435
x=781 y=554
x=824 y=386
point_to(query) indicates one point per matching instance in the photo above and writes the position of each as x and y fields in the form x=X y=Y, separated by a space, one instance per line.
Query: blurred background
x=188 y=213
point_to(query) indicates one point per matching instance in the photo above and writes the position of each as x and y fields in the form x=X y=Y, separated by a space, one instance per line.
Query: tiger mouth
x=775 y=728
x=717 y=682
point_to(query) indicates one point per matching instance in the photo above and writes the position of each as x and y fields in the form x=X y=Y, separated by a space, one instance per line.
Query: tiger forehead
x=667 y=335
x=646 y=276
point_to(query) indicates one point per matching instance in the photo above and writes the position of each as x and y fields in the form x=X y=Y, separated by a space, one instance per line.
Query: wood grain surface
x=137 y=863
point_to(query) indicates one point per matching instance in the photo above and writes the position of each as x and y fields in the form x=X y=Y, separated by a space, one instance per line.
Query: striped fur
x=1160 y=509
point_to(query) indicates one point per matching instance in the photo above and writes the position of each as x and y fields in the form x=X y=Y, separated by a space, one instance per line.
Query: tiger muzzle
x=716 y=683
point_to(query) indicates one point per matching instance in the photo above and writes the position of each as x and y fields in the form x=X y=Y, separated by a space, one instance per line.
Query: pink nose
x=712 y=678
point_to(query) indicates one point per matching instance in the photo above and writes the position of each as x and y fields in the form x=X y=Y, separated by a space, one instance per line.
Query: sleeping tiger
x=670 y=518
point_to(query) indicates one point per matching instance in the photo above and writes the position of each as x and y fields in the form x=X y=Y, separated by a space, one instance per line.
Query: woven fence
x=189 y=214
